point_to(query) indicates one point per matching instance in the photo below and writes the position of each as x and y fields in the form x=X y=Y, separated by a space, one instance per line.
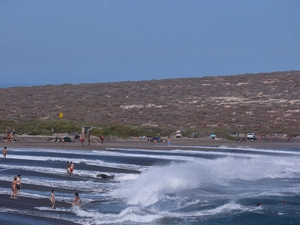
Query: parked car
x=212 y=136
x=77 y=137
x=158 y=139
x=251 y=136
x=67 y=139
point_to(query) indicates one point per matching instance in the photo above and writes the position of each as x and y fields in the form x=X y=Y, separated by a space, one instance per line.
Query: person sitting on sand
x=77 y=200
x=4 y=152
x=13 y=188
x=52 y=199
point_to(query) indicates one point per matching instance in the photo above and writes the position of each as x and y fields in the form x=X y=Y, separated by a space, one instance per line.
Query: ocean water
x=213 y=186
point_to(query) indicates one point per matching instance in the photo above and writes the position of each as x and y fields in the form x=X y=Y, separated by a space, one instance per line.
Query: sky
x=99 y=41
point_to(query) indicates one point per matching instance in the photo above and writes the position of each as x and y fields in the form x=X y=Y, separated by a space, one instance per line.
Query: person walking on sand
x=13 y=188
x=18 y=185
x=4 y=152
x=77 y=200
x=52 y=199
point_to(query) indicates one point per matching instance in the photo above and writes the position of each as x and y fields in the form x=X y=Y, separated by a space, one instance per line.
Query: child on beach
x=77 y=200
x=52 y=199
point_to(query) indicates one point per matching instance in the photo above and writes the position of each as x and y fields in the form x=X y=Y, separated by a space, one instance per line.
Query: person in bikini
x=13 y=188
x=52 y=199
x=4 y=152
x=18 y=185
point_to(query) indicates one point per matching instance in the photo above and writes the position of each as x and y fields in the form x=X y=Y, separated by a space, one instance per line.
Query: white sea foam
x=130 y=214
x=153 y=156
x=95 y=162
x=151 y=185
x=223 y=209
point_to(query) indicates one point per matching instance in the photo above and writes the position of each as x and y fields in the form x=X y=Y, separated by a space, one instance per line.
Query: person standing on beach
x=71 y=168
x=169 y=141
x=77 y=200
x=102 y=139
x=68 y=167
x=81 y=140
x=4 y=152
x=13 y=188
x=52 y=199
x=18 y=185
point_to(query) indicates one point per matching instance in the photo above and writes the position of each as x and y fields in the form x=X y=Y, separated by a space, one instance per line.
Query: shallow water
x=215 y=186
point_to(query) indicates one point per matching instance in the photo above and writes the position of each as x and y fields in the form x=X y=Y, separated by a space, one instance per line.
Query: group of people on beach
x=70 y=167
x=76 y=201
x=16 y=187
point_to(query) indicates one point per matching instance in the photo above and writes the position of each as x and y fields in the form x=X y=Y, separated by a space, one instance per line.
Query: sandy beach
x=26 y=141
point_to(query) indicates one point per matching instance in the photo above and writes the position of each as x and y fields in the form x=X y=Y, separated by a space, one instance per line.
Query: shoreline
x=137 y=143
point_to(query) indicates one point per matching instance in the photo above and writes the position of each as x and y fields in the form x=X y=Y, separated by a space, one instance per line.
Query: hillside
x=266 y=102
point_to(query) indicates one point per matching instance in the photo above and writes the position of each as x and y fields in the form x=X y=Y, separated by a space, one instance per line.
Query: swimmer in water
x=77 y=200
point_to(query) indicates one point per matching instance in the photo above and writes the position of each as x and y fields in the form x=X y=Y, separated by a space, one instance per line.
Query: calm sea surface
x=215 y=186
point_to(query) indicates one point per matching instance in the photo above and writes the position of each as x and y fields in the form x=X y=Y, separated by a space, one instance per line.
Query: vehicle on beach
x=77 y=137
x=158 y=139
x=251 y=136
x=58 y=139
x=67 y=139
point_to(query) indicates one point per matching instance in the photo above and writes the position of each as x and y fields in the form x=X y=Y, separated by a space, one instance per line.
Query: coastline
x=141 y=143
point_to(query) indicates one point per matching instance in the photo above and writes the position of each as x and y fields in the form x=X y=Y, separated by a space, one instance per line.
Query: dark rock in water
x=105 y=176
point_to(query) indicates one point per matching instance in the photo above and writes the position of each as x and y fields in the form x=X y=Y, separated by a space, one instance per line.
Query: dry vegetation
x=263 y=103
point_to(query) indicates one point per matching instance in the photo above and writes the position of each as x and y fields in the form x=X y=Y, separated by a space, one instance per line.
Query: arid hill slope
x=266 y=101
